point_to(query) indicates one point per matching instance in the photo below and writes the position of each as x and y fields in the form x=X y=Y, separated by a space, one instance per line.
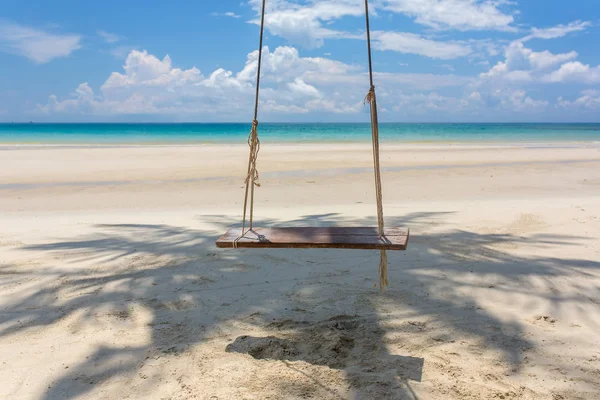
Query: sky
x=196 y=60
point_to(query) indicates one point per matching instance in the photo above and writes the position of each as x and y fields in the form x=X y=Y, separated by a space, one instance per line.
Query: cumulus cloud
x=292 y=84
x=229 y=14
x=574 y=72
x=422 y=81
x=414 y=44
x=316 y=86
x=303 y=24
x=423 y=103
x=462 y=15
x=518 y=100
x=308 y=24
x=148 y=84
x=81 y=101
x=589 y=100
x=303 y=88
x=121 y=52
x=38 y=45
x=475 y=103
x=557 y=31
x=143 y=69
x=522 y=64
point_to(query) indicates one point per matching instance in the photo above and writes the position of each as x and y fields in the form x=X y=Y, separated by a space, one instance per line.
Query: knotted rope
x=254 y=143
x=372 y=100
x=251 y=179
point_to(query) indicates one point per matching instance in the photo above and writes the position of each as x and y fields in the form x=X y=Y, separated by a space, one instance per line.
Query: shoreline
x=389 y=143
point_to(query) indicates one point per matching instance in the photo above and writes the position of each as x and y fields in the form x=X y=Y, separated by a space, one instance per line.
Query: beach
x=112 y=286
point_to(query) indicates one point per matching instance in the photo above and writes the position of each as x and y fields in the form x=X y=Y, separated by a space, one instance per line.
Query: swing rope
x=372 y=100
x=254 y=144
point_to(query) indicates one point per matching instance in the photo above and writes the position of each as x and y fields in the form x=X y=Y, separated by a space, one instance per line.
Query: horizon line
x=280 y=122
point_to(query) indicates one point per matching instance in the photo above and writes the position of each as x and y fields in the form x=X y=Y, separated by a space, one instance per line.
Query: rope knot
x=254 y=144
x=370 y=96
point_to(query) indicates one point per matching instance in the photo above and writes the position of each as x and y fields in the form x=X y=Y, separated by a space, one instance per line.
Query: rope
x=253 y=142
x=371 y=98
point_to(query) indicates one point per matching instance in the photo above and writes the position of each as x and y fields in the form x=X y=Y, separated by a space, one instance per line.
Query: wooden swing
x=370 y=238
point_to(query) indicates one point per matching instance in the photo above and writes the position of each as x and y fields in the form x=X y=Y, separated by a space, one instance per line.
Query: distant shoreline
x=161 y=134
x=299 y=123
x=550 y=144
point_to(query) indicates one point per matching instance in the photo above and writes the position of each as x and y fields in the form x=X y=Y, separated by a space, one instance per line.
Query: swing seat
x=365 y=238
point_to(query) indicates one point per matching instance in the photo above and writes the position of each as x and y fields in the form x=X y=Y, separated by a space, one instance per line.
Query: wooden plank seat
x=317 y=237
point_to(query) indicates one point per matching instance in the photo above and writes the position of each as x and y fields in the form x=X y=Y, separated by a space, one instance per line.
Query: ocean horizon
x=205 y=133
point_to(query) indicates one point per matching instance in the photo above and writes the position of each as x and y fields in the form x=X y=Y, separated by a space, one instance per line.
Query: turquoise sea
x=115 y=134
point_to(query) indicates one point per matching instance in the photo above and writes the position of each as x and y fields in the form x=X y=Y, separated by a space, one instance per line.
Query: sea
x=230 y=133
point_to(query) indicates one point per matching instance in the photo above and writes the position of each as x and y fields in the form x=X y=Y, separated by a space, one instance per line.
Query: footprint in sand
x=240 y=267
x=10 y=243
x=181 y=305
x=121 y=314
x=544 y=320
x=202 y=280
x=527 y=223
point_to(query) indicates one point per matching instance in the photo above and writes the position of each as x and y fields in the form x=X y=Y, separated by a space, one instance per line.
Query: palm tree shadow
x=348 y=343
x=181 y=279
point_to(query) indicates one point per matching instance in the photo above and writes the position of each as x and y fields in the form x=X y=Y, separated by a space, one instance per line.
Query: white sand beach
x=112 y=287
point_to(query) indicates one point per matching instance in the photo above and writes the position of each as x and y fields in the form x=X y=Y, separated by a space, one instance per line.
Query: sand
x=112 y=288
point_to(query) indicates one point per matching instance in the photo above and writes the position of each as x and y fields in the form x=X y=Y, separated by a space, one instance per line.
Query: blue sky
x=436 y=60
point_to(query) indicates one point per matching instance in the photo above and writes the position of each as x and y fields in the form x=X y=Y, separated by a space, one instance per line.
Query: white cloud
x=590 y=92
x=485 y=47
x=523 y=65
x=302 y=24
x=498 y=102
x=148 y=84
x=121 y=52
x=518 y=100
x=455 y=14
x=145 y=70
x=109 y=37
x=301 y=87
x=557 y=31
x=475 y=96
x=576 y=72
x=422 y=103
x=317 y=86
x=82 y=99
x=589 y=100
x=229 y=14
x=508 y=100
x=285 y=64
x=421 y=81
x=414 y=44
x=308 y=23
x=35 y=44
x=291 y=85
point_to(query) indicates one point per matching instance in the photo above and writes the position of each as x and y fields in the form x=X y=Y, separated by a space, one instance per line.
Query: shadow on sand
x=318 y=306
